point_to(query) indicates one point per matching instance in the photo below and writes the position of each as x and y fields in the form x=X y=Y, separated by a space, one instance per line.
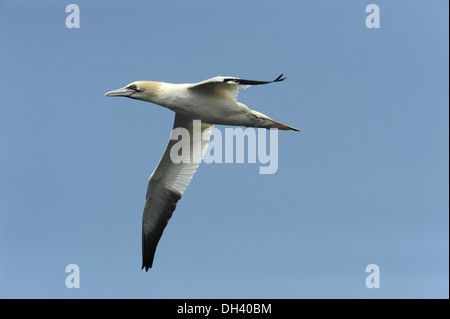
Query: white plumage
x=213 y=101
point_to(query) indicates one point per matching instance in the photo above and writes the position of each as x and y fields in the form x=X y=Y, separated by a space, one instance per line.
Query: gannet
x=213 y=101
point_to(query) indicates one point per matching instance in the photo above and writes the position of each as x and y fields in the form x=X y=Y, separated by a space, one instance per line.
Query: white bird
x=212 y=101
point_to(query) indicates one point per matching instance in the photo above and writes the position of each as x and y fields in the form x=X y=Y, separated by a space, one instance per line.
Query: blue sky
x=365 y=182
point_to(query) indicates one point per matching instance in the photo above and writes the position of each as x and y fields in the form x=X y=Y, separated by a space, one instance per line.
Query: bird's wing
x=227 y=86
x=168 y=183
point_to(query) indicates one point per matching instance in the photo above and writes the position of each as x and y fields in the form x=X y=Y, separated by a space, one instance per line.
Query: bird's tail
x=257 y=119
x=282 y=126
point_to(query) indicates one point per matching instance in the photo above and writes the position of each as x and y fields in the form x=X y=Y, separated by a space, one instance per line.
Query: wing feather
x=166 y=186
x=228 y=86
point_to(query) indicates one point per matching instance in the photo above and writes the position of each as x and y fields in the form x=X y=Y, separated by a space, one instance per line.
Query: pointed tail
x=282 y=126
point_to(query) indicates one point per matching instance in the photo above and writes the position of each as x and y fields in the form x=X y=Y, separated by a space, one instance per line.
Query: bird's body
x=209 y=107
x=213 y=101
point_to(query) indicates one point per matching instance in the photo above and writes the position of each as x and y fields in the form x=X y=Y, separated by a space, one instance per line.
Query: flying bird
x=213 y=101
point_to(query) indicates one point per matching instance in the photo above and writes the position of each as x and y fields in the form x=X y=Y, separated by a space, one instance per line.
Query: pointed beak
x=120 y=92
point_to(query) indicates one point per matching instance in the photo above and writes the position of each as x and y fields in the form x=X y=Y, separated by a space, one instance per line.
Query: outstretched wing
x=227 y=85
x=168 y=183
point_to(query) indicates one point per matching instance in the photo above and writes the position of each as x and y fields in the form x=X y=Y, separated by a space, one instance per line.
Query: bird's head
x=139 y=90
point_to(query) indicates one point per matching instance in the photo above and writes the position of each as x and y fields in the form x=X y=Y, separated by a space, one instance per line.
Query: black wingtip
x=146 y=267
x=279 y=78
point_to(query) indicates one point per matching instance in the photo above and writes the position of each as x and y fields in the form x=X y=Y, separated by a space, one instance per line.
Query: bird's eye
x=132 y=87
